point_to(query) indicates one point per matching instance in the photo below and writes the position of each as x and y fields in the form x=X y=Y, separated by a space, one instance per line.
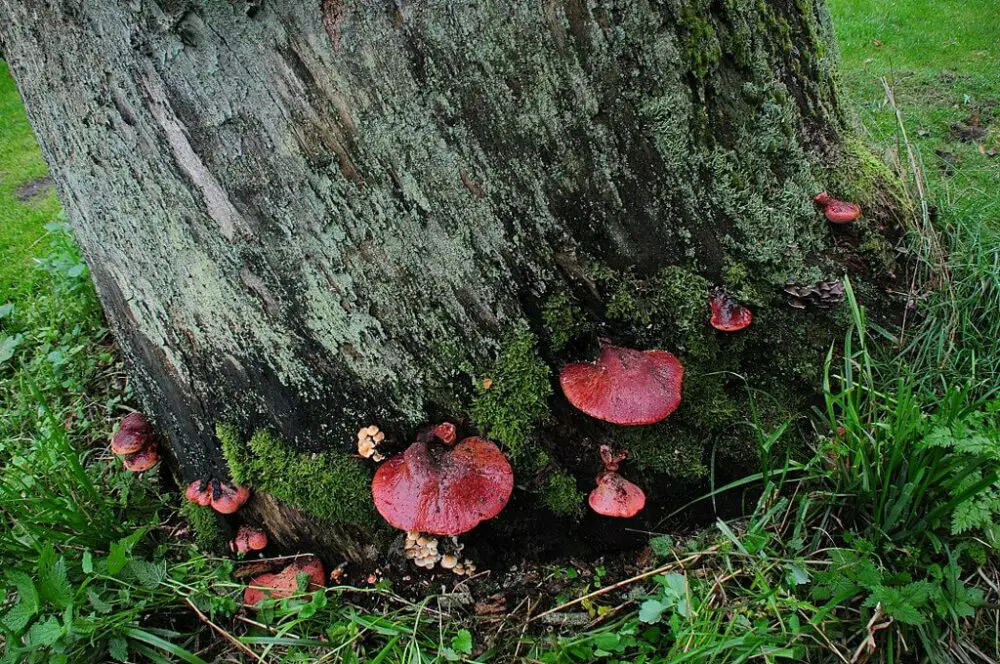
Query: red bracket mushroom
x=728 y=315
x=614 y=495
x=222 y=497
x=135 y=442
x=286 y=582
x=248 y=539
x=625 y=386
x=439 y=488
x=837 y=211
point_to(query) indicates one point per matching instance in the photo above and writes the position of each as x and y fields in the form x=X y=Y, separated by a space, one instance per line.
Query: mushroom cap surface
x=249 y=539
x=615 y=496
x=285 y=583
x=728 y=315
x=229 y=498
x=136 y=422
x=142 y=460
x=442 y=490
x=128 y=441
x=625 y=386
x=841 y=212
x=200 y=492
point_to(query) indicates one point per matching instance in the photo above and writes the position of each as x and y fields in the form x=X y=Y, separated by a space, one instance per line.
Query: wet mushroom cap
x=136 y=422
x=625 y=386
x=728 y=315
x=141 y=461
x=249 y=539
x=840 y=212
x=442 y=490
x=199 y=492
x=615 y=496
x=127 y=441
x=286 y=582
x=229 y=498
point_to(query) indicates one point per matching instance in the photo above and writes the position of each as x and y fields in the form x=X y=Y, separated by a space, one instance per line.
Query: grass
x=22 y=223
x=879 y=547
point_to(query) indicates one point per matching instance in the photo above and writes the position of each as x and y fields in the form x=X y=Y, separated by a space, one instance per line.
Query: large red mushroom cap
x=248 y=539
x=625 y=386
x=228 y=498
x=286 y=582
x=728 y=315
x=614 y=495
x=837 y=211
x=431 y=488
x=199 y=492
x=127 y=441
x=142 y=460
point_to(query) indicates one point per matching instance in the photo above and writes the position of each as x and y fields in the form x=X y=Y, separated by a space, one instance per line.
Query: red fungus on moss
x=441 y=489
x=625 y=386
x=248 y=539
x=728 y=315
x=286 y=582
x=228 y=498
x=199 y=492
x=837 y=211
x=614 y=495
x=142 y=460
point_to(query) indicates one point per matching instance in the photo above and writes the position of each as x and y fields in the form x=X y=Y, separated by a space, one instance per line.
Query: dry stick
x=645 y=575
x=223 y=633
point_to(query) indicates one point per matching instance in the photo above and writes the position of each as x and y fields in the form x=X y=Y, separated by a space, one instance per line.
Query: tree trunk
x=308 y=217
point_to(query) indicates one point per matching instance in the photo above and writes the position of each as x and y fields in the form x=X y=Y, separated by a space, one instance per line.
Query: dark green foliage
x=331 y=486
x=560 y=495
x=516 y=400
x=207 y=526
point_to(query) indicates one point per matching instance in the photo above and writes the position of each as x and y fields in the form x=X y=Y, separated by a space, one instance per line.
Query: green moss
x=560 y=495
x=516 y=399
x=331 y=486
x=564 y=320
x=700 y=40
x=208 y=528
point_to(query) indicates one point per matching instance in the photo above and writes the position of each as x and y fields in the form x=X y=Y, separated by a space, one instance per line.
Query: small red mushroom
x=136 y=422
x=614 y=495
x=142 y=460
x=625 y=386
x=199 y=492
x=442 y=489
x=728 y=315
x=248 y=539
x=126 y=441
x=286 y=582
x=837 y=211
x=228 y=498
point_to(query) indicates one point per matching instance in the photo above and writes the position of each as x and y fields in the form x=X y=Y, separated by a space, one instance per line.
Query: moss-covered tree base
x=305 y=218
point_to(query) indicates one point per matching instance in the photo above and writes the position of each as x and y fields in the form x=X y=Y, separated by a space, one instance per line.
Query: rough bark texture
x=311 y=216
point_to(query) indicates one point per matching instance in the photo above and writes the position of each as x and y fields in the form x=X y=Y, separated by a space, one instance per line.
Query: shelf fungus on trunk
x=222 y=497
x=614 y=495
x=286 y=582
x=824 y=295
x=625 y=386
x=248 y=539
x=439 y=488
x=135 y=443
x=838 y=211
x=728 y=315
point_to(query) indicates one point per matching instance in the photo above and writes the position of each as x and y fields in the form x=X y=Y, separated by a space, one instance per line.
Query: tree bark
x=308 y=217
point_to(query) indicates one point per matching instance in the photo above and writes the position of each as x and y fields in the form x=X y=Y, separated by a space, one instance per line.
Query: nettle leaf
x=18 y=617
x=118 y=649
x=148 y=574
x=53 y=583
x=797 y=575
x=45 y=633
x=99 y=604
x=462 y=642
x=652 y=610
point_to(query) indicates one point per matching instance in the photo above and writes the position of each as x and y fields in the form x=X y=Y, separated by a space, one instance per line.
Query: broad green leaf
x=462 y=642
x=27 y=602
x=45 y=633
x=651 y=611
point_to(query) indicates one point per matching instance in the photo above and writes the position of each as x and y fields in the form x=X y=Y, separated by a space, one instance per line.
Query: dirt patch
x=33 y=189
